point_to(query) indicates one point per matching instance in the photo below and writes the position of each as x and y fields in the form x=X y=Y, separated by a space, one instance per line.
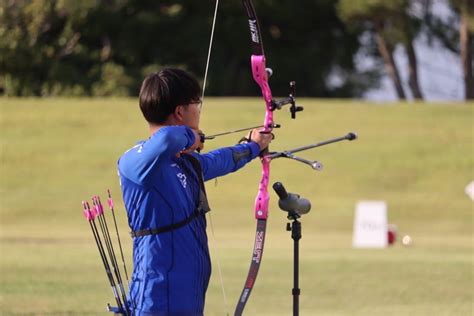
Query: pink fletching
x=111 y=203
x=87 y=213
x=99 y=203
x=96 y=206
x=91 y=210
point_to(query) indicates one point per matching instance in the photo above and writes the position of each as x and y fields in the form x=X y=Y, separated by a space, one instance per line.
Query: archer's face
x=191 y=114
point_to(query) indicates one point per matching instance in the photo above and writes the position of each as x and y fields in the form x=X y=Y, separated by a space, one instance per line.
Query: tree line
x=106 y=47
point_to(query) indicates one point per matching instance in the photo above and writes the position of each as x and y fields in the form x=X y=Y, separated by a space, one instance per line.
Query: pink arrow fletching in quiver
x=87 y=212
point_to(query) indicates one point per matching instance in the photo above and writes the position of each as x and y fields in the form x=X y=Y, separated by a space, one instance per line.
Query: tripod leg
x=296 y=236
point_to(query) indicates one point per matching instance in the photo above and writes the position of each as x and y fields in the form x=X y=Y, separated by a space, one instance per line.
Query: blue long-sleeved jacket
x=171 y=270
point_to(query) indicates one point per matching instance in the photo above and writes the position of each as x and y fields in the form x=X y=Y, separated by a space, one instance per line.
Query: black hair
x=161 y=92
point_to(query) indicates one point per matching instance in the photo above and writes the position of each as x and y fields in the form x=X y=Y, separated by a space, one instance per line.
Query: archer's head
x=171 y=97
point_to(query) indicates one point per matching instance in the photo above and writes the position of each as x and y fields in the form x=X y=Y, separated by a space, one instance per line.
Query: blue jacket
x=171 y=270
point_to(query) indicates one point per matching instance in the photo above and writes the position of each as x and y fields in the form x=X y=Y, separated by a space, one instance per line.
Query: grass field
x=417 y=157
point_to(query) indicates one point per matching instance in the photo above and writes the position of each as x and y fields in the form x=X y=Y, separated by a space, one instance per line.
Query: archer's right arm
x=142 y=160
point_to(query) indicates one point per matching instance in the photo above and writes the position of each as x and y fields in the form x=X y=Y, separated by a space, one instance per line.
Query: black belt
x=155 y=231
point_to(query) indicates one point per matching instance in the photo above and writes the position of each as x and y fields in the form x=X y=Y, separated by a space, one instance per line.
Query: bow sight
x=277 y=105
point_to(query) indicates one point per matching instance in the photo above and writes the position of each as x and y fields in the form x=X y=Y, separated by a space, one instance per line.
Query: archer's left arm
x=225 y=160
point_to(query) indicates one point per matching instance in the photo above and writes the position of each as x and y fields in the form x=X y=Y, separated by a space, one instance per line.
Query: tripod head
x=291 y=202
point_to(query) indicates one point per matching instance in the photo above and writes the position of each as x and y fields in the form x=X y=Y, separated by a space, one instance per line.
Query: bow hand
x=262 y=138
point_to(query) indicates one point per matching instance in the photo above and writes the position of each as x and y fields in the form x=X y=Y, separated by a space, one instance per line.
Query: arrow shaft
x=232 y=132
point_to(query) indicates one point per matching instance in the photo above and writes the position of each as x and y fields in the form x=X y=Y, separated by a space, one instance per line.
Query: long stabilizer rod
x=350 y=137
x=316 y=165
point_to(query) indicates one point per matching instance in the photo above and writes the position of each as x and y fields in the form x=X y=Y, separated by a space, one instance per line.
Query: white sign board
x=470 y=190
x=370 y=225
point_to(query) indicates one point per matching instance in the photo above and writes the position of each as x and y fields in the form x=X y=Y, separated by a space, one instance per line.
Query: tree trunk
x=413 y=72
x=388 y=59
x=465 y=38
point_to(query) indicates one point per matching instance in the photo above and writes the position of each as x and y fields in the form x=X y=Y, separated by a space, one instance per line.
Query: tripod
x=295 y=228
x=296 y=207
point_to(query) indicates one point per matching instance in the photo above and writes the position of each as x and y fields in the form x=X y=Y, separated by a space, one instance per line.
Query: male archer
x=164 y=195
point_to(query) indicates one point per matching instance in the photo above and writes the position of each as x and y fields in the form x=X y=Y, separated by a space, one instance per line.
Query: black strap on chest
x=164 y=229
x=201 y=209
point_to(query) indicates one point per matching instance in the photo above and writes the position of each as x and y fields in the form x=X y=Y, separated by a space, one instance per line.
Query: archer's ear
x=178 y=113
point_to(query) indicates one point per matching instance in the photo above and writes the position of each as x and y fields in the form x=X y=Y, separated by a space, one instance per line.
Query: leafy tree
x=466 y=43
x=38 y=47
x=391 y=24
x=455 y=32
x=52 y=47
x=105 y=47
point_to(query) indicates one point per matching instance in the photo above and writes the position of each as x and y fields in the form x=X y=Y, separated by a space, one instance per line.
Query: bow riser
x=263 y=197
x=259 y=73
x=261 y=78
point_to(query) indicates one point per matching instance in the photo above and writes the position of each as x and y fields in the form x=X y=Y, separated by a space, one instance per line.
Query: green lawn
x=417 y=157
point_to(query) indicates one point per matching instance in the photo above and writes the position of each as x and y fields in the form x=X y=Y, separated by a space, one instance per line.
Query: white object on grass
x=470 y=190
x=406 y=240
x=370 y=225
